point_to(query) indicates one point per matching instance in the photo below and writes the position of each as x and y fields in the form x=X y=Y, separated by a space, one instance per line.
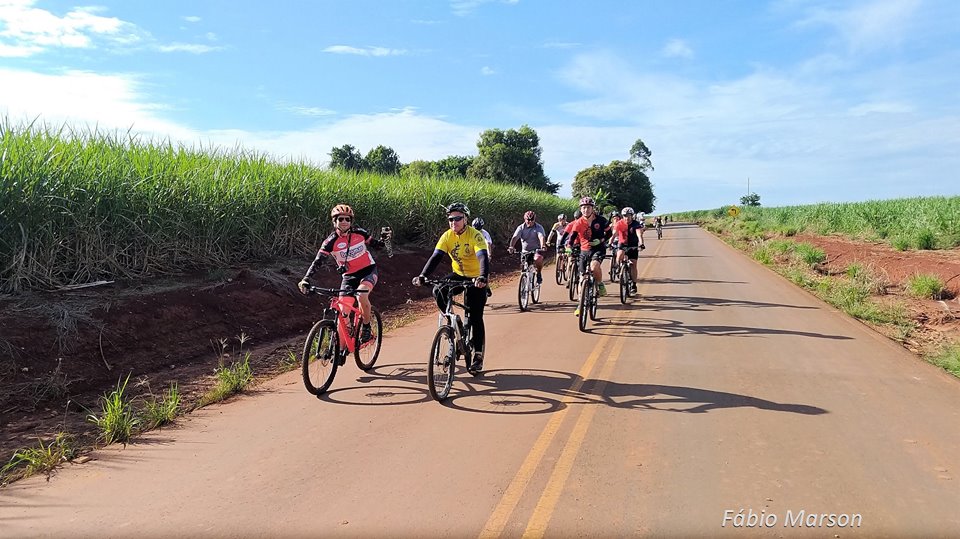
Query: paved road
x=724 y=389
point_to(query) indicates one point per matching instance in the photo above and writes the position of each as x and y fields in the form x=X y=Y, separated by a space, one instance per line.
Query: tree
x=640 y=154
x=454 y=166
x=346 y=157
x=511 y=156
x=752 y=199
x=625 y=182
x=420 y=168
x=383 y=160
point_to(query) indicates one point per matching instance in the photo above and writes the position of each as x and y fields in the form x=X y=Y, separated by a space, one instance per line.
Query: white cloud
x=307 y=111
x=366 y=51
x=677 y=48
x=425 y=21
x=192 y=48
x=487 y=71
x=462 y=8
x=880 y=107
x=211 y=36
x=560 y=45
x=191 y=18
x=869 y=26
x=28 y=30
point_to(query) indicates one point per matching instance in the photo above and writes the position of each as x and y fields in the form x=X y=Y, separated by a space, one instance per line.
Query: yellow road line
x=537 y=525
x=511 y=497
x=498 y=519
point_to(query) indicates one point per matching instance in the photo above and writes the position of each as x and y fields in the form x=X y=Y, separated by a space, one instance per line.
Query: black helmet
x=458 y=206
x=478 y=223
x=577 y=214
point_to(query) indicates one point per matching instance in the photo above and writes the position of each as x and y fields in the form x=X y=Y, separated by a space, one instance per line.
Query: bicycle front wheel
x=320 y=357
x=523 y=295
x=613 y=270
x=584 y=306
x=535 y=291
x=574 y=288
x=366 y=353
x=560 y=270
x=624 y=285
x=594 y=301
x=440 y=369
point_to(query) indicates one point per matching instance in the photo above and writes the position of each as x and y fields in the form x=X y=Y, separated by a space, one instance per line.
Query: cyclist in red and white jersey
x=348 y=246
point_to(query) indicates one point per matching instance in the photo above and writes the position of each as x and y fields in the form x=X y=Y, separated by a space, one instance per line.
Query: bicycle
x=573 y=280
x=451 y=341
x=659 y=231
x=626 y=279
x=588 y=300
x=561 y=267
x=528 y=288
x=614 y=268
x=336 y=335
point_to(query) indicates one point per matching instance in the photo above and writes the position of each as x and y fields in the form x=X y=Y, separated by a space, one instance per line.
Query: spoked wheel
x=535 y=291
x=574 y=286
x=624 y=285
x=561 y=271
x=585 y=293
x=613 y=270
x=366 y=353
x=659 y=234
x=523 y=291
x=320 y=357
x=443 y=357
x=594 y=300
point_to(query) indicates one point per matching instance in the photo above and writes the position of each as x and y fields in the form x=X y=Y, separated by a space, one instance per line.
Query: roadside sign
x=733 y=211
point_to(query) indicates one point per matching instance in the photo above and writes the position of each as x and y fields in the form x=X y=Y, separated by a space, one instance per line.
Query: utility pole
x=748 y=185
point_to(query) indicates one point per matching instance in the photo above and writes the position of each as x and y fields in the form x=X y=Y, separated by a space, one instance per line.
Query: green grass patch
x=926 y=286
x=948 y=359
x=763 y=255
x=809 y=255
x=158 y=412
x=117 y=420
x=230 y=379
x=41 y=459
x=926 y=240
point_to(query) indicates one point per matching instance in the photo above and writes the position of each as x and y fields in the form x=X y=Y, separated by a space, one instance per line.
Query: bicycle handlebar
x=449 y=282
x=336 y=291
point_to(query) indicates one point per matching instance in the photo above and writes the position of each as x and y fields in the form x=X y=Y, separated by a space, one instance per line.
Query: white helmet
x=627 y=211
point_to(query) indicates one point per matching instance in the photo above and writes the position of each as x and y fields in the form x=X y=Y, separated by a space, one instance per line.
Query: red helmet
x=341 y=209
x=530 y=216
x=587 y=201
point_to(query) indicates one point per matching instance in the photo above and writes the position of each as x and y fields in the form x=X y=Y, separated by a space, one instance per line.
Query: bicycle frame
x=450 y=318
x=345 y=309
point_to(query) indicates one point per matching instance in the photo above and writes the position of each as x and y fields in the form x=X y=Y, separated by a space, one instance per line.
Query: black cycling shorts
x=595 y=253
x=633 y=251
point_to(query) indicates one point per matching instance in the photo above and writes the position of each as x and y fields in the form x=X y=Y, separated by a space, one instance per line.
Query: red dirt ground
x=162 y=332
x=167 y=330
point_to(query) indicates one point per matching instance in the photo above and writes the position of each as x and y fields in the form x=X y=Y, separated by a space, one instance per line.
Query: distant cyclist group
x=581 y=245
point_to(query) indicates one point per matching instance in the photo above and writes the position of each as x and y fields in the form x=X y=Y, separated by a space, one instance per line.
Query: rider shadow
x=542 y=307
x=651 y=327
x=691 y=400
x=384 y=385
x=705 y=304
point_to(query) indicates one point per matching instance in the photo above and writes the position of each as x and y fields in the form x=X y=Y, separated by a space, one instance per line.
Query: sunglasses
x=455 y=218
x=528 y=220
x=344 y=219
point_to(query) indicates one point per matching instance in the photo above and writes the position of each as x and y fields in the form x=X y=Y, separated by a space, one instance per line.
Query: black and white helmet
x=478 y=223
x=458 y=206
x=628 y=211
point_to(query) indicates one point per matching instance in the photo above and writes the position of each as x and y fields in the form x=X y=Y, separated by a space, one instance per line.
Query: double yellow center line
x=537 y=525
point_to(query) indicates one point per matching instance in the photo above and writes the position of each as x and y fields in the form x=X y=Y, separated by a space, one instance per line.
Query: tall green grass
x=76 y=207
x=907 y=223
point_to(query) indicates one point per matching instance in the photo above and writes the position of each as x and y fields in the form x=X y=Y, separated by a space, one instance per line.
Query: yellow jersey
x=462 y=249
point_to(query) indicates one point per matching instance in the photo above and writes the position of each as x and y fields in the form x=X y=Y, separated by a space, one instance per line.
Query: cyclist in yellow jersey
x=467 y=250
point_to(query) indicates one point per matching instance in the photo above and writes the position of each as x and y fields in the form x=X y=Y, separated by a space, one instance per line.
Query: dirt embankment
x=59 y=351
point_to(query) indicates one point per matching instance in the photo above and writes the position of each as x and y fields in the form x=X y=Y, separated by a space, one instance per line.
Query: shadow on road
x=539 y=391
x=662 y=327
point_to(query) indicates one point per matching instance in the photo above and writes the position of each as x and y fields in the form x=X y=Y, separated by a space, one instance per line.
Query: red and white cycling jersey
x=349 y=249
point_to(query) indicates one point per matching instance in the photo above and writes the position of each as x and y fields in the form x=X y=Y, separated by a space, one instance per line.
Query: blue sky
x=812 y=100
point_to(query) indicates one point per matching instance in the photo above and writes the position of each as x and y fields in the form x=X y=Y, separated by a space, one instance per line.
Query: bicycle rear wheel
x=560 y=270
x=440 y=369
x=366 y=354
x=320 y=357
x=574 y=282
x=523 y=293
x=613 y=269
x=624 y=285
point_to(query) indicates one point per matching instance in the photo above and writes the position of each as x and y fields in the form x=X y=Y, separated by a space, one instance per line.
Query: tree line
x=514 y=156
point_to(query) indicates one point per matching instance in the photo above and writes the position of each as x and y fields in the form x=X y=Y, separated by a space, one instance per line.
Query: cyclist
x=630 y=233
x=553 y=238
x=592 y=232
x=530 y=234
x=658 y=222
x=348 y=246
x=469 y=259
x=614 y=239
x=479 y=223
